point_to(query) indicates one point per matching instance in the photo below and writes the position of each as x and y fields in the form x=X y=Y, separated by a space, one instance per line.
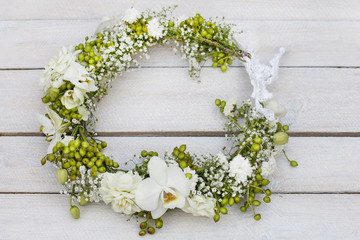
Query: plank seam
x=185 y=134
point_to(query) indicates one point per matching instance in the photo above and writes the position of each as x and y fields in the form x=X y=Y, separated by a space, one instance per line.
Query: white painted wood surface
x=317 y=200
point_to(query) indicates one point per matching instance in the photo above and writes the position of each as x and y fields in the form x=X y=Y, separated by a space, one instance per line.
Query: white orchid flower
x=77 y=75
x=53 y=128
x=166 y=188
x=73 y=98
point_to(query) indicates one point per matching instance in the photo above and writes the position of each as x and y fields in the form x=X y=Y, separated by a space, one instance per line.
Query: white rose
x=73 y=98
x=199 y=205
x=278 y=109
x=119 y=189
x=52 y=76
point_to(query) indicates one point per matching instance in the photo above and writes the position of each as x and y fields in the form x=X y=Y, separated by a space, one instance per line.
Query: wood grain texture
x=298 y=217
x=240 y=9
x=325 y=164
x=166 y=99
x=310 y=43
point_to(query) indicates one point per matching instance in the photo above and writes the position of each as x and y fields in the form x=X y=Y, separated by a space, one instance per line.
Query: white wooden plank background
x=319 y=75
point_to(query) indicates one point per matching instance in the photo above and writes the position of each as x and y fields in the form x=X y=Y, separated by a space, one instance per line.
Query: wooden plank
x=325 y=164
x=240 y=9
x=286 y=217
x=310 y=43
x=168 y=100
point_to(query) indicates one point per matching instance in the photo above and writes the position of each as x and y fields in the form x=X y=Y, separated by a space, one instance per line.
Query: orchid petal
x=53 y=142
x=84 y=113
x=157 y=170
x=46 y=122
x=55 y=117
x=158 y=212
x=178 y=181
x=147 y=194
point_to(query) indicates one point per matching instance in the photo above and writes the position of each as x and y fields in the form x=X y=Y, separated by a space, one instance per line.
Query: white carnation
x=119 y=189
x=199 y=205
x=155 y=29
x=268 y=167
x=131 y=15
x=229 y=107
x=240 y=168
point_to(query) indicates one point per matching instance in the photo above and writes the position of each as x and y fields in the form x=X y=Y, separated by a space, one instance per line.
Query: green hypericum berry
x=182 y=148
x=215 y=65
x=116 y=165
x=293 y=163
x=170 y=24
x=85 y=161
x=158 y=223
x=51 y=157
x=217 y=102
x=237 y=200
x=181 y=155
x=151 y=230
x=143 y=225
x=216 y=217
x=142 y=233
x=188 y=175
x=257 y=140
x=223 y=103
x=62 y=176
x=256 y=203
x=104 y=144
x=257 y=217
x=224 y=202
x=223 y=67
x=255 y=147
x=286 y=128
x=183 y=164
x=265 y=182
x=43 y=161
x=281 y=138
x=83 y=200
x=258 y=177
x=267 y=199
x=85 y=145
x=75 y=212
x=243 y=209
x=144 y=153
x=231 y=201
x=268 y=192
x=223 y=210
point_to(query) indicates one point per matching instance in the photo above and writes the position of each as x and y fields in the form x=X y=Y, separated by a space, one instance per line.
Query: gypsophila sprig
x=206 y=185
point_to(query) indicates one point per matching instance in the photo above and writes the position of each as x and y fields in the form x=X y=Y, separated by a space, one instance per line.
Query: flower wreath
x=203 y=185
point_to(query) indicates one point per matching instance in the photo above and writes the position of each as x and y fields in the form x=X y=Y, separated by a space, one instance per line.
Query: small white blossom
x=229 y=107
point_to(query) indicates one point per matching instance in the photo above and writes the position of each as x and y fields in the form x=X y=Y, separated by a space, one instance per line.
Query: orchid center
x=169 y=197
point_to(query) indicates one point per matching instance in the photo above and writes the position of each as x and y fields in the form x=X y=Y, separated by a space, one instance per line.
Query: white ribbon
x=261 y=75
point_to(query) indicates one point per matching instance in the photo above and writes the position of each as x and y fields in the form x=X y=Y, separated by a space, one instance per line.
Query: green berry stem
x=292 y=162
x=234 y=121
